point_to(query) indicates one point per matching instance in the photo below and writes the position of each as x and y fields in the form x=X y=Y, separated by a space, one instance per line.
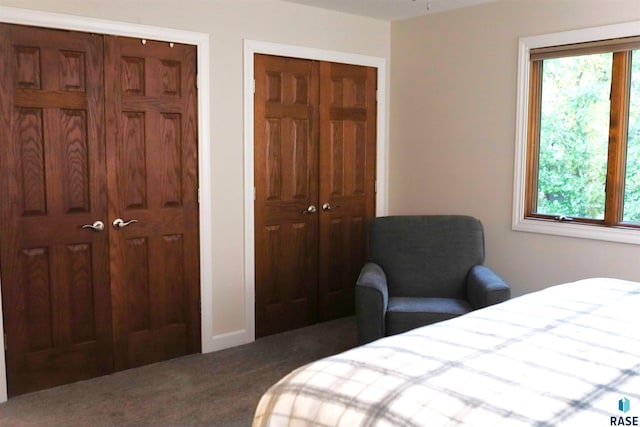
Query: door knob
x=96 y=226
x=119 y=223
x=327 y=207
x=310 y=210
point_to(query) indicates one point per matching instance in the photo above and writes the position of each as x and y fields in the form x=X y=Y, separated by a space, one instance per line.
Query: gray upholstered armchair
x=421 y=270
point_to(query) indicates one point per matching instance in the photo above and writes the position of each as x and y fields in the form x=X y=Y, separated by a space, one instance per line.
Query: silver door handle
x=119 y=223
x=327 y=207
x=96 y=226
x=310 y=210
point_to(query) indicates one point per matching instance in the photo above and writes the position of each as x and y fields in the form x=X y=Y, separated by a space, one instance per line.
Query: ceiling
x=390 y=10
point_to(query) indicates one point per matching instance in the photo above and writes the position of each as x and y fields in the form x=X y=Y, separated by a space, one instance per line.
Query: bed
x=568 y=355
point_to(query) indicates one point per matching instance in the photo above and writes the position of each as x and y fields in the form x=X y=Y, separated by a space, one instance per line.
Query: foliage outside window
x=584 y=134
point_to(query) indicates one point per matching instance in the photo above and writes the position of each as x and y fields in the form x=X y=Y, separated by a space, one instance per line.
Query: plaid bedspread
x=565 y=356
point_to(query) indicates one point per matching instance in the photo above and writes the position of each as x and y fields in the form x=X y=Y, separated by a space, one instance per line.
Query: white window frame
x=569 y=229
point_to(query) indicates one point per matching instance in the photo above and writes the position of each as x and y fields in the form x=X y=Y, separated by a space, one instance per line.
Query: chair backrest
x=428 y=255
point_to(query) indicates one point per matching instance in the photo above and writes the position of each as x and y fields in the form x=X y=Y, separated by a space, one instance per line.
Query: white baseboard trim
x=227 y=340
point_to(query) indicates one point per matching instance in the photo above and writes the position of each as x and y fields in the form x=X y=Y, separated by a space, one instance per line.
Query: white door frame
x=251 y=47
x=201 y=41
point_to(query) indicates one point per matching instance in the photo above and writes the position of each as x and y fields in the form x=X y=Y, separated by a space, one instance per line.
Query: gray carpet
x=215 y=389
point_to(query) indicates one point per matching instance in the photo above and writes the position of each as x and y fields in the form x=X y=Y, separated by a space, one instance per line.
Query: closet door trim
x=252 y=47
x=34 y=18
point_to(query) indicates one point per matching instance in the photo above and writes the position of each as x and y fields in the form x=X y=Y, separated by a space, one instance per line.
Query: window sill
x=583 y=231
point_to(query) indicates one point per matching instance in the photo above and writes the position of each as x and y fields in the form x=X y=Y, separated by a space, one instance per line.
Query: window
x=578 y=136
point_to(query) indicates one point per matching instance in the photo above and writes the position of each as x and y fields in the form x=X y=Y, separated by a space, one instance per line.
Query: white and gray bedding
x=564 y=356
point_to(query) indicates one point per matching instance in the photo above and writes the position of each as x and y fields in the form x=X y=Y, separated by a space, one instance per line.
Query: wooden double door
x=315 y=156
x=99 y=257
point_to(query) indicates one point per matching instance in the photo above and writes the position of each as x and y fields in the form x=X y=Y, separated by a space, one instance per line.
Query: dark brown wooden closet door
x=55 y=277
x=152 y=179
x=347 y=181
x=315 y=143
x=286 y=161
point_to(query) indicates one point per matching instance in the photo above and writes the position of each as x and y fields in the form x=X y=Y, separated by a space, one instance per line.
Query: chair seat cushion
x=404 y=314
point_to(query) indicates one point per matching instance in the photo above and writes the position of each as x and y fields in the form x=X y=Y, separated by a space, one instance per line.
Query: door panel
x=64 y=284
x=55 y=276
x=152 y=178
x=315 y=140
x=286 y=156
x=347 y=181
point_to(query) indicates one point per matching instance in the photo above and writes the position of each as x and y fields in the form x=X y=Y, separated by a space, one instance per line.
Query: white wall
x=453 y=99
x=452 y=143
x=229 y=22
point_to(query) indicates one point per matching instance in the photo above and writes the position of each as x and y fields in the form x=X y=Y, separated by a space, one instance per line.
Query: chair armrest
x=372 y=297
x=484 y=287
